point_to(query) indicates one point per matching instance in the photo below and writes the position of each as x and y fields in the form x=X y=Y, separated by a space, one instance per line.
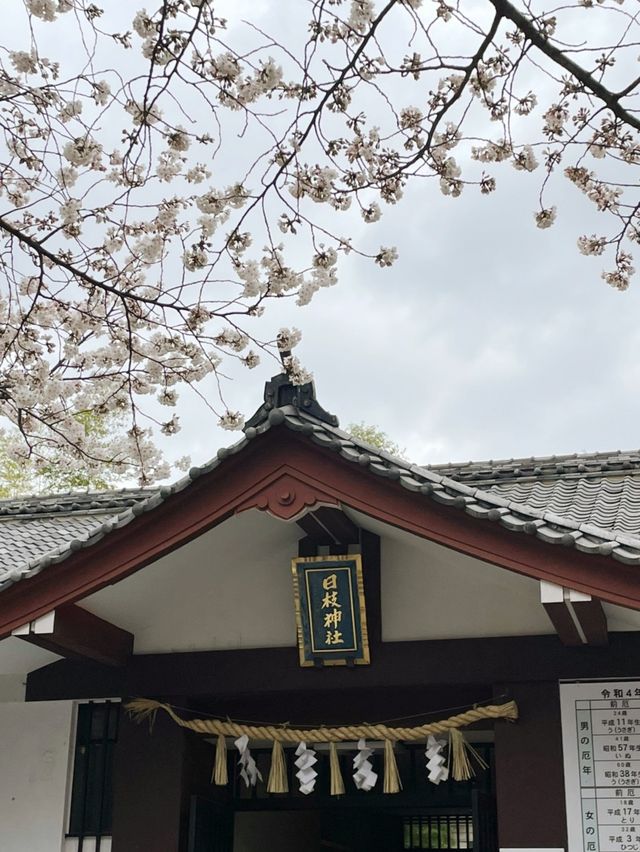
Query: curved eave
x=514 y=536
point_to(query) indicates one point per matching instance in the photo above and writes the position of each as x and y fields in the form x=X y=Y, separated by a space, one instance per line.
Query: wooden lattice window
x=439 y=831
x=92 y=787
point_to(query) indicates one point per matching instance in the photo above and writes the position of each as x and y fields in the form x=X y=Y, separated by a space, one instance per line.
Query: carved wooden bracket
x=287 y=498
x=578 y=618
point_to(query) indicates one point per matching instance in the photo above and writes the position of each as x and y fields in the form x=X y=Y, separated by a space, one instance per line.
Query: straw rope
x=220 y=775
x=460 y=751
x=337 y=784
x=392 y=782
x=141 y=708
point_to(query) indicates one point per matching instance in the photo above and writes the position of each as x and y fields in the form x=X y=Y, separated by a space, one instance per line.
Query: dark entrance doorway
x=216 y=829
x=452 y=817
x=393 y=830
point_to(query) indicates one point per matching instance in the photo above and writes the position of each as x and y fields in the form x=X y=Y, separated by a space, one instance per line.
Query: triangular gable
x=290 y=461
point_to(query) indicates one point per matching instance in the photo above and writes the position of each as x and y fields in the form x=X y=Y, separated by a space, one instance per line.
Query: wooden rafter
x=71 y=631
x=563 y=623
x=578 y=618
x=327 y=526
x=592 y=620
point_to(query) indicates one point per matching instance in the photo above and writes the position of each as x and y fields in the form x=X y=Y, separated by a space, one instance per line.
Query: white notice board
x=601 y=746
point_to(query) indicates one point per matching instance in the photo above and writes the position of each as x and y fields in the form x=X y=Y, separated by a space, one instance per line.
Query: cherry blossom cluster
x=167 y=174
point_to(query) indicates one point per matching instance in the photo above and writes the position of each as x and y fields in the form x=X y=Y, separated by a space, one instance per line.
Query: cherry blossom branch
x=528 y=28
x=57 y=260
x=130 y=272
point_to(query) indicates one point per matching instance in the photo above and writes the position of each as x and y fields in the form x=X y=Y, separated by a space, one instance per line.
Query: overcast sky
x=488 y=339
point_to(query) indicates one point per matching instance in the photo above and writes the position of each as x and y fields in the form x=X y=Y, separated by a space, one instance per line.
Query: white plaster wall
x=431 y=592
x=17 y=659
x=18 y=656
x=34 y=764
x=12 y=687
x=232 y=588
x=229 y=588
x=621 y=619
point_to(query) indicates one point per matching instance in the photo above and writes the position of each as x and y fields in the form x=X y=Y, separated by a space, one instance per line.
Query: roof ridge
x=66 y=501
x=77 y=493
x=479 y=502
x=556 y=458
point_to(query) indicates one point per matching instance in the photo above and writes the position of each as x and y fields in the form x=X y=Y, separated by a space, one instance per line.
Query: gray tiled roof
x=613 y=504
x=601 y=489
x=590 y=502
x=32 y=527
x=89 y=503
x=541 y=468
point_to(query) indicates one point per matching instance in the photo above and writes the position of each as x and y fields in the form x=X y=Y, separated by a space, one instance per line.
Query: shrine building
x=308 y=645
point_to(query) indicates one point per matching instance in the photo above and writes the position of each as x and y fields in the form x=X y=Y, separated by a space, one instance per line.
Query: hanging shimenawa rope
x=142 y=708
x=461 y=768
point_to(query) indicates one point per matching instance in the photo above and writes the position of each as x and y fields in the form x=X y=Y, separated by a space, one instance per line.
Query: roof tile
x=587 y=501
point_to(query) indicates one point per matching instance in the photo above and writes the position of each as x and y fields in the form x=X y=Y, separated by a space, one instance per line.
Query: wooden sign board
x=601 y=744
x=331 y=617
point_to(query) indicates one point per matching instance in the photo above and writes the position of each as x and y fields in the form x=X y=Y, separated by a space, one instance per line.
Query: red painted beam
x=283 y=473
x=80 y=634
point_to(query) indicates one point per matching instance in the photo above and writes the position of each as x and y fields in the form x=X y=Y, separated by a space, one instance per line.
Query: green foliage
x=53 y=474
x=375 y=437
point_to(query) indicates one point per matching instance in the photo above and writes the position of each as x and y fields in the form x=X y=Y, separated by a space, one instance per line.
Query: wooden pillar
x=148 y=807
x=529 y=770
x=370 y=549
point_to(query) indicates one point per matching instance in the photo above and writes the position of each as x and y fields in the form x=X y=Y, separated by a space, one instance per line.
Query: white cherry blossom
x=168 y=178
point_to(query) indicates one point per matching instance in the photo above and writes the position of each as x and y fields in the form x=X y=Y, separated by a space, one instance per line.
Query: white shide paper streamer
x=435 y=761
x=364 y=777
x=306 y=774
x=249 y=771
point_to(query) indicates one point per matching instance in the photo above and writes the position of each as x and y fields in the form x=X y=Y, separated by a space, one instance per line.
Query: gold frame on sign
x=364 y=659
